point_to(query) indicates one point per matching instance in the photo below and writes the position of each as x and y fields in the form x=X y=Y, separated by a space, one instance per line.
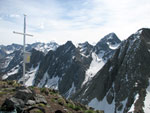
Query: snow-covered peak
x=44 y=47
x=110 y=41
x=10 y=48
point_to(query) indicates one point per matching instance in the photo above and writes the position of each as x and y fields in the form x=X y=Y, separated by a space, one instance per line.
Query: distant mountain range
x=111 y=74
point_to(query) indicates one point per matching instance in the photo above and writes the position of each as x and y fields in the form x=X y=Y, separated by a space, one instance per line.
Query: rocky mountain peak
x=43 y=47
x=111 y=38
x=69 y=43
x=85 y=48
x=10 y=48
x=145 y=35
x=83 y=44
x=123 y=77
x=107 y=43
x=67 y=47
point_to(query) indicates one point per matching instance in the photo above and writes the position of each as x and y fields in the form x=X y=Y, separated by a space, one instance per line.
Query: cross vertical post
x=24 y=44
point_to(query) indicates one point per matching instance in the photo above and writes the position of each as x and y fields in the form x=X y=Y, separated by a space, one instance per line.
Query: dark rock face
x=36 y=57
x=123 y=76
x=67 y=64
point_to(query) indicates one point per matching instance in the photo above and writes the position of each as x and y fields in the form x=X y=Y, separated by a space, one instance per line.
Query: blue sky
x=75 y=20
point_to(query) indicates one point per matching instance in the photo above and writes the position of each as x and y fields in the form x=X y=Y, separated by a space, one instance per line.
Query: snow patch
x=45 y=47
x=147 y=100
x=96 y=64
x=110 y=69
x=71 y=90
x=9 y=52
x=105 y=106
x=53 y=83
x=11 y=72
x=7 y=61
x=113 y=46
x=102 y=105
x=43 y=80
x=31 y=75
x=132 y=107
x=124 y=105
x=49 y=82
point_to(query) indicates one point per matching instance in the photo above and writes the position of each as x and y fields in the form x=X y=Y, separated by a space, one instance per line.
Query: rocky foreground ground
x=20 y=99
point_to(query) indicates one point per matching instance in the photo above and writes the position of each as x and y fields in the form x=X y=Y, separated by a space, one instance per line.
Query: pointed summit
x=111 y=37
x=85 y=48
x=110 y=41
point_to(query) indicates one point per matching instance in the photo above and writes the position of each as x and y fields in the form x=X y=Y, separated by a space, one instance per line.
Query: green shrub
x=37 y=111
x=70 y=105
x=31 y=87
x=41 y=105
x=90 y=111
x=44 y=90
x=2 y=93
x=53 y=100
x=10 y=82
x=77 y=108
x=61 y=101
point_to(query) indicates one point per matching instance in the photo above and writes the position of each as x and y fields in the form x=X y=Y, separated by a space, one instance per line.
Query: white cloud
x=14 y=16
x=76 y=20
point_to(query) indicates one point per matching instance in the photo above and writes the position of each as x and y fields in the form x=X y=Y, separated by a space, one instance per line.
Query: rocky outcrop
x=23 y=101
x=19 y=99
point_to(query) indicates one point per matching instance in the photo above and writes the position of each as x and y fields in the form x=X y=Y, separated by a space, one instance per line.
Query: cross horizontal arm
x=22 y=33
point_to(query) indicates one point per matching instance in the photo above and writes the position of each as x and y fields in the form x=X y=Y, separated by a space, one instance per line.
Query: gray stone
x=30 y=102
x=24 y=94
x=17 y=102
x=40 y=99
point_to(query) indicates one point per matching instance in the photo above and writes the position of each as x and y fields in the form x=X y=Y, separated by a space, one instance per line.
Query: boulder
x=24 y=98
x=40 y=99
x=12 y=103
x=24 y=94
x=30 y=102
